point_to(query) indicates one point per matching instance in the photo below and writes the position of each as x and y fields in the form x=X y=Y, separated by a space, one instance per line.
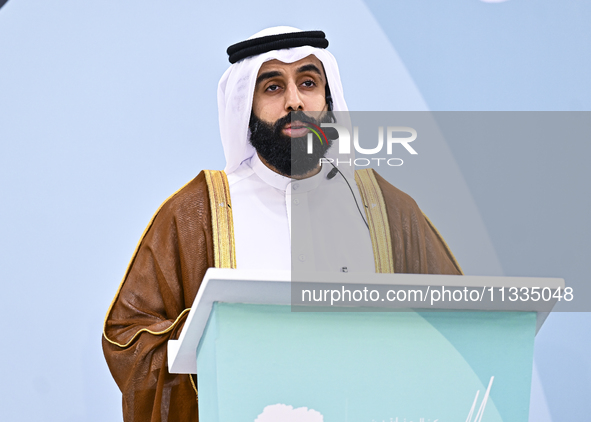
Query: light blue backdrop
x=108 y=107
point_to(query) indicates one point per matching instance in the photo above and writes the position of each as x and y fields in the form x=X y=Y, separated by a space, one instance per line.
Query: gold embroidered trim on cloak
x=221 y=219
x=377 y=219
x=137 y=248
x=223 y=237
x=449 y=253
x=194 y=387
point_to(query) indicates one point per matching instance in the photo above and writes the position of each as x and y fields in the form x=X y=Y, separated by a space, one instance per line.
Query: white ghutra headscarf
x=236 y=90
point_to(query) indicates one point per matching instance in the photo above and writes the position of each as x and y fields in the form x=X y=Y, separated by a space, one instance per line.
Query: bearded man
x=282 y=84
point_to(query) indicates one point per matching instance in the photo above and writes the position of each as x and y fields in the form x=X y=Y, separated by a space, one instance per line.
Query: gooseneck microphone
x=332 y=173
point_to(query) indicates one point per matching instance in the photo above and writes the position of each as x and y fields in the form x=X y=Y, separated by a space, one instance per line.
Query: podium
x=257 y=357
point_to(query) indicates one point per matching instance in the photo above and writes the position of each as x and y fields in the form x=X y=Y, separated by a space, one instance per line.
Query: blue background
x=106 y=108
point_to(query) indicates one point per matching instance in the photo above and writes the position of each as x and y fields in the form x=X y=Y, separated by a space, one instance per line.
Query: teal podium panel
x=266 y=363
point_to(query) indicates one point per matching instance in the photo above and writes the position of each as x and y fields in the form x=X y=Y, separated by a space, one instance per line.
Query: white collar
x=282 y=182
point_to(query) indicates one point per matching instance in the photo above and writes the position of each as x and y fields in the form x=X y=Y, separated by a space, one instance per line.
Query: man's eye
x=272 y=88
x=310 y=83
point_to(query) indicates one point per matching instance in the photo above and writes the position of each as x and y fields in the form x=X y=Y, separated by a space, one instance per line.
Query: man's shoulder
x=412 y=232
x=192 y=197
x=394 y=197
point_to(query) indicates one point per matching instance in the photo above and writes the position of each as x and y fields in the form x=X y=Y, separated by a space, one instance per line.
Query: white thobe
x=311 y=224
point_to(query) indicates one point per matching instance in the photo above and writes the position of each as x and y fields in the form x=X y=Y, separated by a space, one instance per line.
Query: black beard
x=289 y=156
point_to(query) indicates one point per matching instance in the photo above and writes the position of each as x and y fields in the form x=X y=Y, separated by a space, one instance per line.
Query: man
x=267 y=211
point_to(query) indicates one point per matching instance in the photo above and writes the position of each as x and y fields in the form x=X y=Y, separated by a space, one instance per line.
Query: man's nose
x=293 y=100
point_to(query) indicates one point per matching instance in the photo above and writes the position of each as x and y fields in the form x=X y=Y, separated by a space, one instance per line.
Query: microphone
x=331 y=133
x=332 y=173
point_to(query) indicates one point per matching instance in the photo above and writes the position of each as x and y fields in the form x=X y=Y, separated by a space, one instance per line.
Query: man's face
x=286 y=98
x=284 y=87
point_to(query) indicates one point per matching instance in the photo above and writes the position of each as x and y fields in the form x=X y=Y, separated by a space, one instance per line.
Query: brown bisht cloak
x=170 y=261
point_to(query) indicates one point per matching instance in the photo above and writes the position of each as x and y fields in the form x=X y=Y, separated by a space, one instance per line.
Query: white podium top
x=274 y=288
